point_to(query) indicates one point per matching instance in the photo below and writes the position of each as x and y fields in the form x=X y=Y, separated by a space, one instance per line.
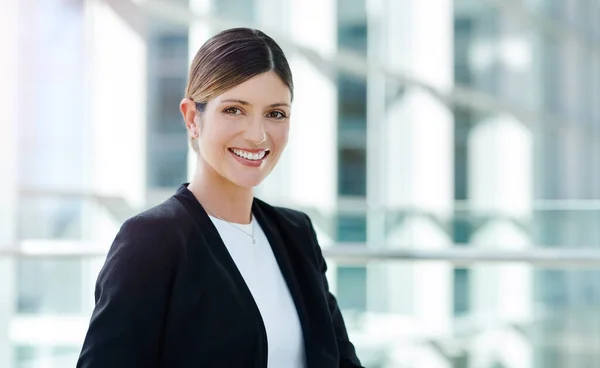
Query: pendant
x=253 y=241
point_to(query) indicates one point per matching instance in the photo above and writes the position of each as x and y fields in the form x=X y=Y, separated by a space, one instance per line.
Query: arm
x=348 y=358
x=132 y=292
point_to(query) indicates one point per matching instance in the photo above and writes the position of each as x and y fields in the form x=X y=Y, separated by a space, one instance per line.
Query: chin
x=246 y=182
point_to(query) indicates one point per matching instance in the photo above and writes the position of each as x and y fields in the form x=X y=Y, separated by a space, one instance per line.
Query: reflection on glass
x=50 y=218
x=49 y=286
x=47 y=357
x=167 y=138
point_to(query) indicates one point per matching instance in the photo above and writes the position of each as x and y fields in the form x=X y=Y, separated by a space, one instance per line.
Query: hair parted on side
x=230 y=58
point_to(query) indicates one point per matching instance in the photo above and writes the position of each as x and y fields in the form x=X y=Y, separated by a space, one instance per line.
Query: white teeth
x=250 y=156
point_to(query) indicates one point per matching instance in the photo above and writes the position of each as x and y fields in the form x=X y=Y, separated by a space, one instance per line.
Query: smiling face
x=244 y=130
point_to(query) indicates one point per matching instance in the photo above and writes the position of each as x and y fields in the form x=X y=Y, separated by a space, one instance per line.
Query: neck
x=221 y=197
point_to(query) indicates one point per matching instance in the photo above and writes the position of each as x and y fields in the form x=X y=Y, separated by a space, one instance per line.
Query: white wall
x=500 y=182
x=118 y=104
x=419 y=168
x=311 y=160
x=9 y=92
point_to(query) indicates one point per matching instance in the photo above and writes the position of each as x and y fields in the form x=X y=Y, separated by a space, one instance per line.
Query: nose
x=255 y=131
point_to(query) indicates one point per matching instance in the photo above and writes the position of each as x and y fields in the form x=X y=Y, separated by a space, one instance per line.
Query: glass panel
x=49 y=286
x=562 y=306
x=236 y=10
x=51 y=104
x=47 y=357
x=46 y=217
x=352 y=281
x=352 y=228
x=167 y=136
x=352 y=172
x=169 y=160
x=352 y=105
x=352 y=288
x=352 y=25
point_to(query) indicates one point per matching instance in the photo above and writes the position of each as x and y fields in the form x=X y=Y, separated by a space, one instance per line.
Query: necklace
x=251 y=235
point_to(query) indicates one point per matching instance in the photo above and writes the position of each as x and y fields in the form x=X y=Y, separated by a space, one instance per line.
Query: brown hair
x=230 y=58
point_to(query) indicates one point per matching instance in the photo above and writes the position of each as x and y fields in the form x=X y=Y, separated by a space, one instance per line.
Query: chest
x=231 y=307
x=255 y=261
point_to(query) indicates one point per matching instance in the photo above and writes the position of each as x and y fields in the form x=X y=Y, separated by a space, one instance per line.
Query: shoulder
x=291 y=217
x=165 y=219
x=144 y=255
x=298 y=226
x=157 y=232
x=290 y=220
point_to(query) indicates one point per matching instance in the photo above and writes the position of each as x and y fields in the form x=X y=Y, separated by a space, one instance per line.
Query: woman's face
x=244 y=131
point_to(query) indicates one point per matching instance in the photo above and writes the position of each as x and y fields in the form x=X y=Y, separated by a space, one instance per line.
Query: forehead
x=262 y=89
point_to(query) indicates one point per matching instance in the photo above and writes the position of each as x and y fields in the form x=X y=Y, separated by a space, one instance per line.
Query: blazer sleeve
x=347 y=352
x=132 y=293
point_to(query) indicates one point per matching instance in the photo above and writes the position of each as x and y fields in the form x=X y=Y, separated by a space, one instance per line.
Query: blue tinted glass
x=352 y=288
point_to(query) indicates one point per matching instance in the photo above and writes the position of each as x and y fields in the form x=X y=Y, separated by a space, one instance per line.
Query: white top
x=258 y=266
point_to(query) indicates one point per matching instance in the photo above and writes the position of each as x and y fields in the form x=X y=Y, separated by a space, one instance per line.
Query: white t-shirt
x=258 y=266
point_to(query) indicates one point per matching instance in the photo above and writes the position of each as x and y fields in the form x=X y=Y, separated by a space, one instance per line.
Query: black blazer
x=169 y=294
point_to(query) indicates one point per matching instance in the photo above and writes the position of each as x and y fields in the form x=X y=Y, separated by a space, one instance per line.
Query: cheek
x=216 y=134
x=280 y=135
x=212 y=144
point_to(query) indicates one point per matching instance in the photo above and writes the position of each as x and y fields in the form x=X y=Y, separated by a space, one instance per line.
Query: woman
x=214 y=277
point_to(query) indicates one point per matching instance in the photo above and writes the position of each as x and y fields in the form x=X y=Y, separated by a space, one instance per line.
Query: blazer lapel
x=287 y=270
x=293 y=256
x=213 y=240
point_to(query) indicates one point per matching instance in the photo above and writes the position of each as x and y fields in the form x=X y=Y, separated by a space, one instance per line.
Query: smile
x=251 y=156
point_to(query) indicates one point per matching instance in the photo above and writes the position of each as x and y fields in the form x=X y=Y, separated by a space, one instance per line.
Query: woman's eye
x=278 y=115
x=232 y=111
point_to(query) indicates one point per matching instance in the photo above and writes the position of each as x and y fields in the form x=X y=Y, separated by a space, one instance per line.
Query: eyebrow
x=246 y=103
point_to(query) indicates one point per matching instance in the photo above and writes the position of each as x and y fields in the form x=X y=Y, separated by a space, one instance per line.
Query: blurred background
x=448 y=153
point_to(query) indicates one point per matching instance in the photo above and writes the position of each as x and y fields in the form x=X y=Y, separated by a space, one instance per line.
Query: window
x=352 y=172
x=167 y=138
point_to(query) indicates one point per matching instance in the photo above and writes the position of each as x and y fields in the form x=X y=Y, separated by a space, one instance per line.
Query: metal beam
x=466 y=256
x=350 y=253
x=346 y=203
x=561 y=29
x=118 y=207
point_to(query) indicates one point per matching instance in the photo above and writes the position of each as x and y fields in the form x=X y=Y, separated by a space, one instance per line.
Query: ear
x=189 y=112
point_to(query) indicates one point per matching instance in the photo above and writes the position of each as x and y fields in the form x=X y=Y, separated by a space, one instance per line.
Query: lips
x=254 y=155
x=249 y=158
